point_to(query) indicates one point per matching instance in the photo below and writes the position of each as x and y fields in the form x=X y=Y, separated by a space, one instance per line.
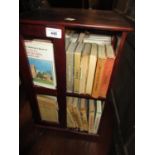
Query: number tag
x=53 y=33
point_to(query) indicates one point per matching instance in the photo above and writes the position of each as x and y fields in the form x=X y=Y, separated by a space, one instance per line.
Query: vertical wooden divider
x=60 y=63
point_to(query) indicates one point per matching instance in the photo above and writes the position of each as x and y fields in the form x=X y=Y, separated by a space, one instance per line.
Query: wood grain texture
x=95 y=19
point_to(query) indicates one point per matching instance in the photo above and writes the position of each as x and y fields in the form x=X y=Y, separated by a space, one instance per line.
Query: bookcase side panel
x=60 y=63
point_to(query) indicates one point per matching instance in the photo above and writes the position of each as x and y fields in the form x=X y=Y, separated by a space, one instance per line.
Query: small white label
x=70 y=19
x=53 y=33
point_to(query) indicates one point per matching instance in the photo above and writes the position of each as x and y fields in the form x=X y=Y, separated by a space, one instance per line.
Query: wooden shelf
x=69 y=132
x=46 y=91
x=83 y=96
x=94 y=19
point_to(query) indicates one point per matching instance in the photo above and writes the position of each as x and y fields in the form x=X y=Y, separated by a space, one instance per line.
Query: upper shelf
x=104 y=20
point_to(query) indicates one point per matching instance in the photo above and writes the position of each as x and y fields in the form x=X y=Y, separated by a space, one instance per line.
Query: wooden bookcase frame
x=33 y=25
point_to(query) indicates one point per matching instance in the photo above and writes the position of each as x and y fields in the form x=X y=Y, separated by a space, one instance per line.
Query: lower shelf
x=72 y=133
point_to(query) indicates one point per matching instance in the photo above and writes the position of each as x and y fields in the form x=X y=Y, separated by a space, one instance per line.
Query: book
x=84 y=67
x=69 y=66
x=81 y=37
x=97 y=38
x=106 y=76
x=40 y=55
x=83 y=112
x=77 y=59
x=69 y=33
x=91 y=69
x=91 y=116
x=48 y=108
x=99 y=110
x=76 y=111
x=99 y=71
x=67 y=42
x=71 y=121
x=74 y=37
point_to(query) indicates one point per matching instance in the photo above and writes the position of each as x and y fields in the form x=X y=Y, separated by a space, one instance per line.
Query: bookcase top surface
x=98 y=19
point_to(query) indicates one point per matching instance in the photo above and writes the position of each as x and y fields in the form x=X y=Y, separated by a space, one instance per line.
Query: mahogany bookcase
x=33 y=25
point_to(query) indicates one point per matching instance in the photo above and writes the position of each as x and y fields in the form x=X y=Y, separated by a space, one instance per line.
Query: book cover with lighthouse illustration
x=40 y=55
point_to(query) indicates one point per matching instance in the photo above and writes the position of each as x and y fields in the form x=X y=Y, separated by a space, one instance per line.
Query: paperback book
x=41 y=60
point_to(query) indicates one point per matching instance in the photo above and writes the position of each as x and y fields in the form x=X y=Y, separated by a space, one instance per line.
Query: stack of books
x=89 y=63
x=84 y=114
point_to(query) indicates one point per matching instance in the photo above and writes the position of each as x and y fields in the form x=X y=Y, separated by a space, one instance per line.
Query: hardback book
x=48 y=108
x=99 y=71
x=40 y=55
x=71 y=121
x=69 y=66
x=76 y=111
x=107 y=70
x=84 y=68
x=91 y=116
x=83 y=112
x=99 y=110
x=91 y=69
x=77 y=60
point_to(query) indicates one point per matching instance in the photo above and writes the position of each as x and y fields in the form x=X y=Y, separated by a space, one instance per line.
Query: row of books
x=84 y=114
x=87 y=37
x=89 y=67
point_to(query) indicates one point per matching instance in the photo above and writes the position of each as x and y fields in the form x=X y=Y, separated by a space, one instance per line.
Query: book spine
x=98 y=77
x=83 y=74
x=72 y=111
x=70 y=120
x=91 y=73
x=76 y=72
x=69 y=72
x=91 y=122
x=97 y=122
x=106 y=77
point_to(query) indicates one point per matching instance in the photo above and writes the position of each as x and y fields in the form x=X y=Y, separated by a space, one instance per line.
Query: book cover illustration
x=41 y=61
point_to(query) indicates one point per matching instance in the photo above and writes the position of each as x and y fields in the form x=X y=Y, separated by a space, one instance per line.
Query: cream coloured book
x=69 y=66
x=48 y=108
x=99 y=109
x=81 y=37
x=67 y=42
x=98 y=39
x=71 y=122
x=84 y=68
x=77 y=59
x=91 y=116
x=76 y=111
x=83 y=112
x=91 y=69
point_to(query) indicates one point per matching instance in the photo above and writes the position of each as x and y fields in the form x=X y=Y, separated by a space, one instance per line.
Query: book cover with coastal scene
x=41 y=60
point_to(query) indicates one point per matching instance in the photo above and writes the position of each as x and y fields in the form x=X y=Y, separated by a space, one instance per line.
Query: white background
x=145 y=78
